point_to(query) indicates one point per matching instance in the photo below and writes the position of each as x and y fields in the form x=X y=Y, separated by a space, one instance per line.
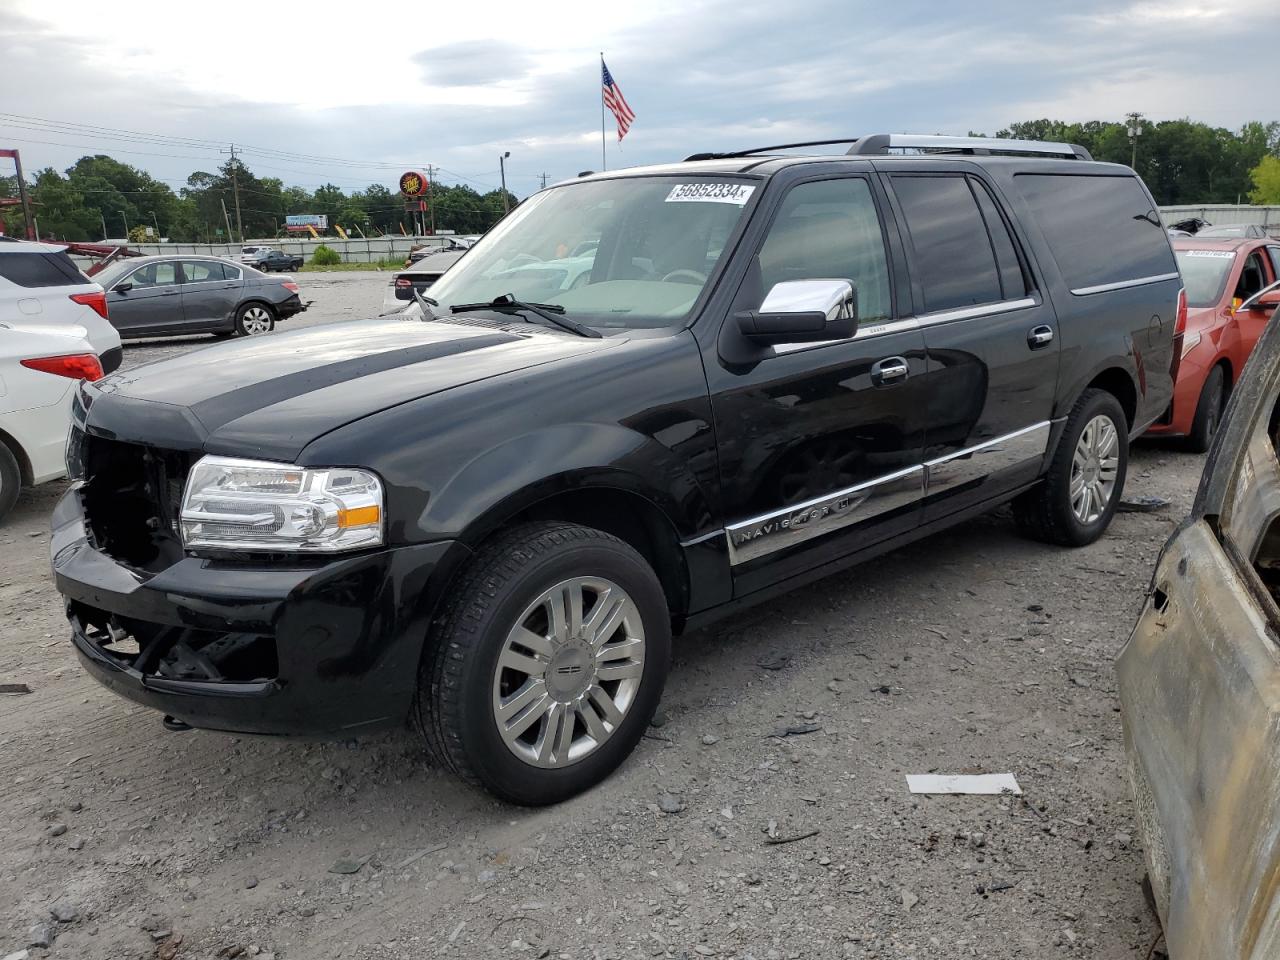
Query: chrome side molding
x=769 y=532
x=1124 y=284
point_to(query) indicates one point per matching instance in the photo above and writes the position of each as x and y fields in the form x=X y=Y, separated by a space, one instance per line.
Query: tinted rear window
x=1101 y=229
x=41 y=270
x=953 y=261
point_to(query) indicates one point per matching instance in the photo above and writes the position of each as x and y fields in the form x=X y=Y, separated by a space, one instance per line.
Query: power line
x=67 y=128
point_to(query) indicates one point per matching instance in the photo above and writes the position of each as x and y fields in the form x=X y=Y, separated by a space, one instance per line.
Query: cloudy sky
x=348 y=93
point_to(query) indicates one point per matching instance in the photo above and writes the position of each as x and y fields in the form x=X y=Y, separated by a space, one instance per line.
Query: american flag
x=616 y=102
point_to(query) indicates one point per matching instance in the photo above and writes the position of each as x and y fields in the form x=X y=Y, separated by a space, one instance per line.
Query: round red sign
x=413 y=183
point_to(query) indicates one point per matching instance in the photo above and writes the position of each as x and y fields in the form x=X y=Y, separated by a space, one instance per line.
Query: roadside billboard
x=305 y=222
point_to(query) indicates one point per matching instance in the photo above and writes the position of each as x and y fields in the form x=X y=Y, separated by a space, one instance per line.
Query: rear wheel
x=1075 y=502
x=547 y=664
x=1213 y=397
x=10 y=480
x=254 y=319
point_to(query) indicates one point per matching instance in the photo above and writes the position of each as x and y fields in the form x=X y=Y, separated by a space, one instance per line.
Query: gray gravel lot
x=972 y=651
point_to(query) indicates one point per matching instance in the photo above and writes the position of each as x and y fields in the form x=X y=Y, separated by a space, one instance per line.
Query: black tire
x=10 y=480
x=1045 y=512
x=454 y=707
x=248 y=322
x=1213 y=397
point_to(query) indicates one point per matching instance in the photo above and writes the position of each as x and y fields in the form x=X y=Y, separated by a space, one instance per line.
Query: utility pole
x=502 y=169
x=544 y=181
x=1133 y=126
x=28 y=217
x=227 y=219
x=235 y=189
x=431 y=201
x=126 y=225
x=104 y=224
x=157 y=223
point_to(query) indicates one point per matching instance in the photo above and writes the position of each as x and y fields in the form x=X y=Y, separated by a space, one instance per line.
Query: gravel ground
x=972 y=651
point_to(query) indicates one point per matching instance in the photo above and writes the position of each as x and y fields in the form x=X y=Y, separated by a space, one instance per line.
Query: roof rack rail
x=882 y=143
x=777 y=146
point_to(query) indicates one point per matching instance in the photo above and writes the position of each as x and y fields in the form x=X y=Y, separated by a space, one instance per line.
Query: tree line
x=1182 y=161
x=99 y=197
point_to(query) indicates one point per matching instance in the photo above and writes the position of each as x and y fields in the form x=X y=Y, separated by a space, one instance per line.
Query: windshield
x=109 y=276
x=627 y=253
x=1204 y=274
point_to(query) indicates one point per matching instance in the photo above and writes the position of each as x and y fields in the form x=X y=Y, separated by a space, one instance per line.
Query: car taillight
x=290 y=286
x=404 y=282
x=98 y=301
x=77 y=366
x=1179 y=333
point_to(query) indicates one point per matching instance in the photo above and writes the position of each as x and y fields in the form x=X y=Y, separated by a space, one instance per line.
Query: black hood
x=269 y=397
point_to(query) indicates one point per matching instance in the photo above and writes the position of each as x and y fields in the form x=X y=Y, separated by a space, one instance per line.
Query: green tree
x=1182 y=161
x=62 y=212
x=1266 y=181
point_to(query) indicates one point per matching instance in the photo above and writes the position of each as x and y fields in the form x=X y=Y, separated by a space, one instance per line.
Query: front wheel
x=547 y=664
x=254 y=319
x=10 y=480
x=1075 y=502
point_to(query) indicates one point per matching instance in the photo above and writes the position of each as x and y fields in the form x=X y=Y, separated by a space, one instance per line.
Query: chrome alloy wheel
x=569 y=672
x=1093 y=469
x=256 y=320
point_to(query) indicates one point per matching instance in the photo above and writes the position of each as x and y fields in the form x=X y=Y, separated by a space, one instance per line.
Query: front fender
x=522 y=470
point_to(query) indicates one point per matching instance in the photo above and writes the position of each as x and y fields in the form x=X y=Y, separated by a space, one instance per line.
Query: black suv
x=644 y=400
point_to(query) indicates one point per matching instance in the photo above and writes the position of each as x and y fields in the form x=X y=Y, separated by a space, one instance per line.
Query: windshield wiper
x=550 y=312
x=425 y=304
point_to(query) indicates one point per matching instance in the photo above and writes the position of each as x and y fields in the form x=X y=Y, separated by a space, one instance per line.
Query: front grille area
x=178 y=653
x=131 y=497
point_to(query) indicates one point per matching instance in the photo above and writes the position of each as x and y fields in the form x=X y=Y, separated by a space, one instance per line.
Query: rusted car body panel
x=1199 y=685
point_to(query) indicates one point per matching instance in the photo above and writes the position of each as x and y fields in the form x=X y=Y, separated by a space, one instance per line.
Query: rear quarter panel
x=1129 y=329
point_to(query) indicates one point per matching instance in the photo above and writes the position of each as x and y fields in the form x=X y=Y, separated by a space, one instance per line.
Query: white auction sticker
x=735 y=193
x=1216 y=254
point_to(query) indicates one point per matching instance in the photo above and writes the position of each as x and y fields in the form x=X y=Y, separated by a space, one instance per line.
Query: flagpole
x=604 y=161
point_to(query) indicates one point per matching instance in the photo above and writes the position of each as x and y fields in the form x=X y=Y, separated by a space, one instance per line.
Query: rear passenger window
x=1102 y=230
x=201 y=271
x=1013 y=281
x=953 y=258
x=41 y=270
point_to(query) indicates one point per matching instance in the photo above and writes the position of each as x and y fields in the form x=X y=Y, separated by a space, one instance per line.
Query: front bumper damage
x=321 y=648
x=1199 y=683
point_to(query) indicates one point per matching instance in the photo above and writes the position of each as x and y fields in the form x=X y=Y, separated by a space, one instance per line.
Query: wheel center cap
x=571 y=671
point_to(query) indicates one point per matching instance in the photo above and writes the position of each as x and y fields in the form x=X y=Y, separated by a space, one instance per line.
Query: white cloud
x=387 y=84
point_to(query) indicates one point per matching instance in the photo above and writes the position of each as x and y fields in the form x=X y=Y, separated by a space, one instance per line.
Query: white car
x=40 y=365
x=40 y=285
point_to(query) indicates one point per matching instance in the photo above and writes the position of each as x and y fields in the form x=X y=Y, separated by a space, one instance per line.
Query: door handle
x=889 y=371
x=1040 y=336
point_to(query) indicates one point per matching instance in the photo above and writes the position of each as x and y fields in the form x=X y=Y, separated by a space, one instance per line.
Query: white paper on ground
x=970 y=783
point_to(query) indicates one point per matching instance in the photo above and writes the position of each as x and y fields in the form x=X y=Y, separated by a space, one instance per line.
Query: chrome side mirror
x=803 y=311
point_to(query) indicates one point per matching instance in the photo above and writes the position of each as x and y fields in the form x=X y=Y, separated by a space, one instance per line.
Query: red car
x=1232 y=291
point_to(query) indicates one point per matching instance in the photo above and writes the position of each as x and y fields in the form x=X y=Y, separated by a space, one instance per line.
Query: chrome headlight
x=257 y=505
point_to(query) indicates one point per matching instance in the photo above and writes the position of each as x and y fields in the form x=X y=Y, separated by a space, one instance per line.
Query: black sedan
x=174 y=295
